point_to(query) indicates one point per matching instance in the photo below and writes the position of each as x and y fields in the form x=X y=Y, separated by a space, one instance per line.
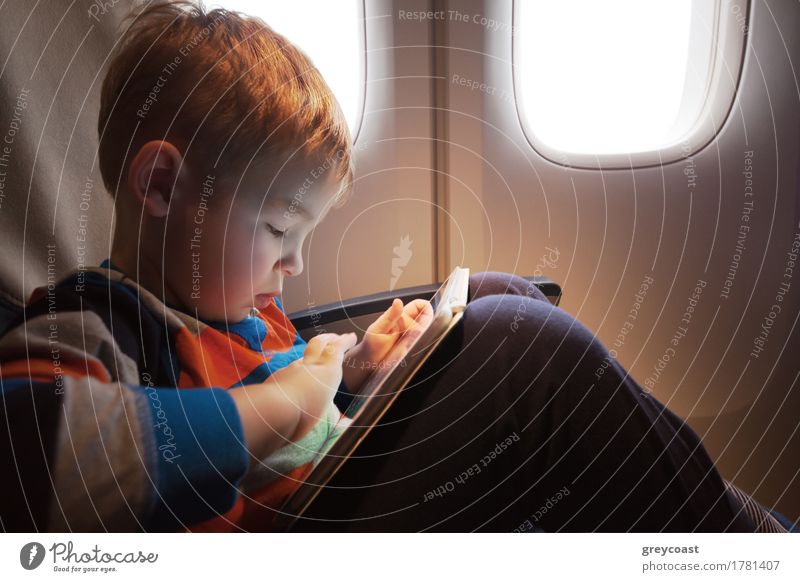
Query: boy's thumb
x=395 y=309
x=349 y=340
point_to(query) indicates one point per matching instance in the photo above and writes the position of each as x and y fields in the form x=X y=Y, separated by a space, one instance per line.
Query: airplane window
x=330 y=33
x=610 y=80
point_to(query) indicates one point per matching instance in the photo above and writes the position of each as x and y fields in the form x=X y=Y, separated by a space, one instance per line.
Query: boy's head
x=224 y=148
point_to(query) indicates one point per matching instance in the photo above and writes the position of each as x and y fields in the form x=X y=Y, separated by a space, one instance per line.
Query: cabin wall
x=602 y=234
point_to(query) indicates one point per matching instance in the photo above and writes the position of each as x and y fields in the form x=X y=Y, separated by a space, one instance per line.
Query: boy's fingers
x=316 y=345
x=417 y=313
x=418 y=308
x=336 y=345
x=313 y=349
x=339 y=345
x=390 y=315
x=388 y=319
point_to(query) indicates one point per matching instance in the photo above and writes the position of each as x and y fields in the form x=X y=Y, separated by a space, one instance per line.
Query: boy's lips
x=263 y=299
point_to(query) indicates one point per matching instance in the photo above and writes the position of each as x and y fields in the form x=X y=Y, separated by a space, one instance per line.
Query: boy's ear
x=153 y=175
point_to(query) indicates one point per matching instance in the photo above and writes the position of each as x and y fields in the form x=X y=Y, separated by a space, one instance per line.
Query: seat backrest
x=10 y=312
x=54 y=212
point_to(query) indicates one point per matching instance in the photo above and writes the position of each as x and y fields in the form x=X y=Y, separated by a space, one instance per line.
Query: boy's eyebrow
x=297 y=209
x=291 y=206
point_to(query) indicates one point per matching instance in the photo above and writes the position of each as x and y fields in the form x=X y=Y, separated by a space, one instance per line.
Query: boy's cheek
x=242 y=243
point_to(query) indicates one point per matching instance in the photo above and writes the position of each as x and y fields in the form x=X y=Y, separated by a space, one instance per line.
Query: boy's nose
x=292 y=265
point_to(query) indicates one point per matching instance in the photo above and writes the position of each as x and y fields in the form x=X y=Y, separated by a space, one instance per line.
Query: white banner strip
x=401 y=557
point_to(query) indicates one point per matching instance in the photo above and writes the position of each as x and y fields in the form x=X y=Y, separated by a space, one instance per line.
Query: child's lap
x=446 y=428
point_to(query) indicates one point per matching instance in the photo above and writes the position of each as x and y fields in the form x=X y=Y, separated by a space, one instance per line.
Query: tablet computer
x=379 y=392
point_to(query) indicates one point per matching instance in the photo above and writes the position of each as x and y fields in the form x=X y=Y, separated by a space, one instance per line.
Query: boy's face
x=229 y=249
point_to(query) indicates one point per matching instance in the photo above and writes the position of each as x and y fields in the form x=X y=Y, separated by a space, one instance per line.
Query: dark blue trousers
x=509 y=427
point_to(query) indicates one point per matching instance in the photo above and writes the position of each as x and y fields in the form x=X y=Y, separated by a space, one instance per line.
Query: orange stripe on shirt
x=49 y=370
x=217 y=358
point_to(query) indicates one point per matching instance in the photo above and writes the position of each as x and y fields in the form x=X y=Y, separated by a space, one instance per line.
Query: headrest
x=54 y=212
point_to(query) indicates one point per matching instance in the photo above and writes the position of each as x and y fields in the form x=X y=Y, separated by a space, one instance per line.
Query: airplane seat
x=55 y=214
x=10 y=311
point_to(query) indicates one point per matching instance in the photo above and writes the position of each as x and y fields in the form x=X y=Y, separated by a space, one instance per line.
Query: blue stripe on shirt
x=201 y=454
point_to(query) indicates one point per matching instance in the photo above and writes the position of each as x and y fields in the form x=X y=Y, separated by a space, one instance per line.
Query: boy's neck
x=146 y=273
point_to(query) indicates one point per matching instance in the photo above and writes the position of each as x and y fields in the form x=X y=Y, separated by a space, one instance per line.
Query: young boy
x=224 y=148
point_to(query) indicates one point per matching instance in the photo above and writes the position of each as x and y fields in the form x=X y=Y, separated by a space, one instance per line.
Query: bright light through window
x=612 y=77
x=328 y=32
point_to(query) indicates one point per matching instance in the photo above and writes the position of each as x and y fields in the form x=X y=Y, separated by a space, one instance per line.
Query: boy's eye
x=275 y=232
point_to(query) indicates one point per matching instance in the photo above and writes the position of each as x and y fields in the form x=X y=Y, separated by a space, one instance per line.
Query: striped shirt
x=119 y=418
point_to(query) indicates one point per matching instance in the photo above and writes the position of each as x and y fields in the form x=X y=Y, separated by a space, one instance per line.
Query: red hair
x=221 y=86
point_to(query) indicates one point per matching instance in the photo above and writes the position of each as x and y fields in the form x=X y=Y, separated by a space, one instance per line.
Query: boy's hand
x=291 y=401
x=313 y=379
x=384 y=332
x=380 y=337
x=317 y=375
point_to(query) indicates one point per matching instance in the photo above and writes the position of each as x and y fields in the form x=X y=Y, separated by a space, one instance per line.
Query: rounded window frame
x=722 y=86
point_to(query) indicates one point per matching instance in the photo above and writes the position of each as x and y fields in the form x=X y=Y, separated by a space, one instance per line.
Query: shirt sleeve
x=200 y=454
x=85 y=447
